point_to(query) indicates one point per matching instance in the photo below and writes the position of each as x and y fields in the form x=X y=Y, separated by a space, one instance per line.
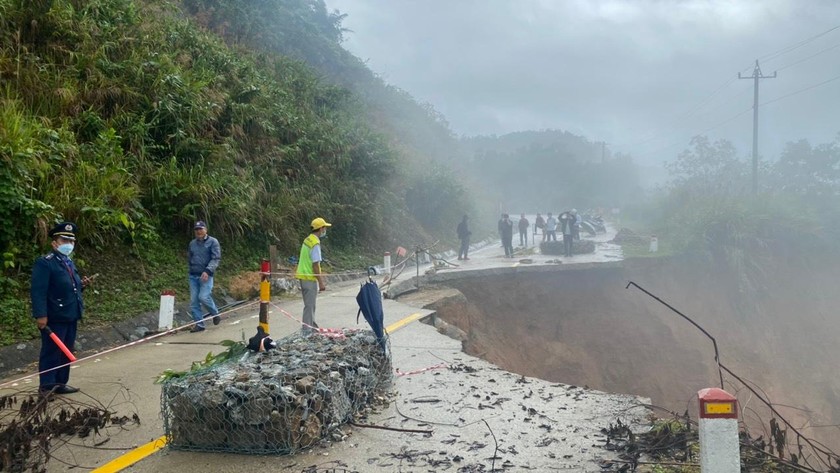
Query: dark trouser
x=52 y=356
x=567 y=244
x=576 y=232
x=550 y=235
x=523 y=237
x=465 y=248
x=507 y=242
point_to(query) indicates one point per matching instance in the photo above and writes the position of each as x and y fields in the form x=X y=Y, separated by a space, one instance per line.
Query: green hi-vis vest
x=304 y=270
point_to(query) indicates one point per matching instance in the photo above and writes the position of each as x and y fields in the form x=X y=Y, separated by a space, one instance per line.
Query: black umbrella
x=370 y=304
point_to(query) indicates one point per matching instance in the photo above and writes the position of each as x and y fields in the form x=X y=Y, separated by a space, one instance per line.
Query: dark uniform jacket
x=56 y=289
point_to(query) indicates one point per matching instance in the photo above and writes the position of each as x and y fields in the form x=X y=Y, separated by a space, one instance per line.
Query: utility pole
x=755 y=77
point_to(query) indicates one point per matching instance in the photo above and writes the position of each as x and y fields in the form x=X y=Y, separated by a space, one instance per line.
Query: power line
x=718 y=125
x=674 y=125
x=793 y=47
x=801 y=90
x=657 y=134
x=809 y=57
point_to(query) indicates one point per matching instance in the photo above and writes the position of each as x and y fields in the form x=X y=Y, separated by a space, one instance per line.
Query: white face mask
x=324 y=233
x=65 y=249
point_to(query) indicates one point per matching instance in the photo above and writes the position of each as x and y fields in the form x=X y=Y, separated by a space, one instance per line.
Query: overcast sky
x=644 y=76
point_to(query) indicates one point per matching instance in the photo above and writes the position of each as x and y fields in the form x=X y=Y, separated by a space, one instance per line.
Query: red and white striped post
x=167 y=310
x=720 y=451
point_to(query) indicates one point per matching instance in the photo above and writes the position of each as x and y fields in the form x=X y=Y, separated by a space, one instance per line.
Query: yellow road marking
x=132 y=457
x=402 y=323
x=144 y=451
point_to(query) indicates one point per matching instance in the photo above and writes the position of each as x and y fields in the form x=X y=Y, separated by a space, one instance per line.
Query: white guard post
x=167 y=310
x=719 y=448
x=654 y=244
x=386 y=264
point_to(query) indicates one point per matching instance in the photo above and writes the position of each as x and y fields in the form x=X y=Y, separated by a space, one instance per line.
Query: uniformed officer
x=57 y=303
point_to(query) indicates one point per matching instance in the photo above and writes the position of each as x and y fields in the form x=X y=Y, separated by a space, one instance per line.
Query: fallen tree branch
x=395 y=429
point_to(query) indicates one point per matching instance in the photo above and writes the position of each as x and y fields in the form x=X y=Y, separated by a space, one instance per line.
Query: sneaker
x=216 y=320
x=196 y=329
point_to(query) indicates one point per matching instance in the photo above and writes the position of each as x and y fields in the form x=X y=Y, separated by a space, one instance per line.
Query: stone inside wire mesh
x=278 y=401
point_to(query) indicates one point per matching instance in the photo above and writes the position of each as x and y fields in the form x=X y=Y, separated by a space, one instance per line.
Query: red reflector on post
x=717 y=404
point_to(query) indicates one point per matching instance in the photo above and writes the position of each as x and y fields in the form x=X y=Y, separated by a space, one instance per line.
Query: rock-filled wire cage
x=278 y=401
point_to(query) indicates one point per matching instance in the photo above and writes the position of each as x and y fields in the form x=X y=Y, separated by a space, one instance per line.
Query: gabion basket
x=278 y=401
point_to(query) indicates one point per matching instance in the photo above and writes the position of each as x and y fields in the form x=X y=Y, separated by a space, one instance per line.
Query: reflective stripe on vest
x=304 y=269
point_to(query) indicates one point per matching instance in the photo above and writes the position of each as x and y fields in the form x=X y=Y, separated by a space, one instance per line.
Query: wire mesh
x=278 y=401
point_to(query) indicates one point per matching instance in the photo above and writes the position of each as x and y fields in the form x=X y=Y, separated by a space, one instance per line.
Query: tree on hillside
x=810 y=171
x=709 y=168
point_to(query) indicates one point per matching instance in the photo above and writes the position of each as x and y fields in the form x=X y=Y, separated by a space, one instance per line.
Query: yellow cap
x=320 y=222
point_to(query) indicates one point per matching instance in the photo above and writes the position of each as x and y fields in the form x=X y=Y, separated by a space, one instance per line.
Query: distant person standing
x=567 y=224
x=309 y=272
x=203 y=255
x=56 y=296
x=464 y=235
x=539 y=223
x=576 y=226
x=507 y=235
x=501 y=229
x=523 y=230
x=550 y=228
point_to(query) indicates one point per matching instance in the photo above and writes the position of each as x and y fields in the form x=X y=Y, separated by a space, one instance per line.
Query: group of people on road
x=57 y=304
x=567 y=223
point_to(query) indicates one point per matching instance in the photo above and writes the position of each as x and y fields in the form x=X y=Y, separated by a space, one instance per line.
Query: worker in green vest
x=309 y=272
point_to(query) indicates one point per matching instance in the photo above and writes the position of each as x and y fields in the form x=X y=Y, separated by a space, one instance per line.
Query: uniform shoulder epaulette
x=49 y=256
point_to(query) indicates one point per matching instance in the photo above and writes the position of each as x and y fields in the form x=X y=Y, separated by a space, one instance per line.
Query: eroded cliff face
x=584 y=327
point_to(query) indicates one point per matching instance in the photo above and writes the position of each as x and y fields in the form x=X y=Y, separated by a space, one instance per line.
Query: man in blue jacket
x=204 y=254
x=56 y=295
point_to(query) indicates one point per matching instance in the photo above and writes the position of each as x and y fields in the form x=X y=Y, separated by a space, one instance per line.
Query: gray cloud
x=632 y=73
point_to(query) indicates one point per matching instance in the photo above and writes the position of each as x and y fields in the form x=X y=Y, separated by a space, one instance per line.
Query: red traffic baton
x=60 y=344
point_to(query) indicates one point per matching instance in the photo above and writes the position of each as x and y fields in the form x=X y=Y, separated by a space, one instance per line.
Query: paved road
x=566 y=417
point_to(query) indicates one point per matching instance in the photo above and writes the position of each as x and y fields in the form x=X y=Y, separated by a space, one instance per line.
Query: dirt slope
x=583 y=327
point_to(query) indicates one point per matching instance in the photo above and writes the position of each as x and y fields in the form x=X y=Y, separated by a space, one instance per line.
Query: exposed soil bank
x=583 y=327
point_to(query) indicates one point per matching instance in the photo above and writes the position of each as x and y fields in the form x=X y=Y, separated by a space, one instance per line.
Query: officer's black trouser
x=52 y=356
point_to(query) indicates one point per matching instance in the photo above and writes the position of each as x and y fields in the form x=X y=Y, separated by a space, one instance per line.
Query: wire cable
x=795 y=46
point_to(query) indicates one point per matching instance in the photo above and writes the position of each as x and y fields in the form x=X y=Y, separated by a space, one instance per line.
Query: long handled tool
x=60 y=344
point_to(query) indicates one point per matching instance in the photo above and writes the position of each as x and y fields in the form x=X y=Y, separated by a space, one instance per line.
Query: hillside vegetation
x=135 y=118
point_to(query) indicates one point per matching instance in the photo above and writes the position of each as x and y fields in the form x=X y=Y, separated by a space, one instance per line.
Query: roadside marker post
x=386 y=263
x=167 y=310
x=265 y=293
x=719 y=448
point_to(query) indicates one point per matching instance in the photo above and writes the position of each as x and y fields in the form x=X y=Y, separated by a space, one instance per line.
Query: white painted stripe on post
x=720 y=451
x=167 y=311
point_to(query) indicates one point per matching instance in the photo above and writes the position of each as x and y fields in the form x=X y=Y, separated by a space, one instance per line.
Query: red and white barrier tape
x=120 y=347
x=336 y=333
